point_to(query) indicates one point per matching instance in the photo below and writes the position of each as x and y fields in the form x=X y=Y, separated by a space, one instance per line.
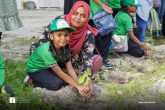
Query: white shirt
x=143 y=12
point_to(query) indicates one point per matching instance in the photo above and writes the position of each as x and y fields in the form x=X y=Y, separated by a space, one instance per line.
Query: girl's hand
x=90 y=89
x=83 y=90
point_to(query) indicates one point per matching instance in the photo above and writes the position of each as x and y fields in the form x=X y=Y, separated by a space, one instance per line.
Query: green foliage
x=84 y=78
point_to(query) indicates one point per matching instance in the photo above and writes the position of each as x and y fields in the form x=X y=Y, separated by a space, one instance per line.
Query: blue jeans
x=141 y=23
x=161 y=10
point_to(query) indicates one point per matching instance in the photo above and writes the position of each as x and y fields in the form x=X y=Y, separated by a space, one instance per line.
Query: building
x=22 y=4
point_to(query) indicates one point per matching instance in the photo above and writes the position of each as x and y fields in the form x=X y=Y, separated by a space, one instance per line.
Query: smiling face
x=60 y=38
x=78 y=18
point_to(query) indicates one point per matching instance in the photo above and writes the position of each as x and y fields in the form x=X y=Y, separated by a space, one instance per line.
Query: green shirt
x=42 y=58
x=124 y=23
x=2 y=75
x=96 y=8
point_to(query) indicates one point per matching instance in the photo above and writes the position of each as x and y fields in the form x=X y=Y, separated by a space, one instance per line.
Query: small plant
x=84 y=79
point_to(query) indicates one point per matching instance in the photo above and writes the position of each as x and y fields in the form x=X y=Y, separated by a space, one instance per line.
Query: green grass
x=135 y=89
x=155 y=41
x=159 y=41
x=25 y=40
x=15 y=73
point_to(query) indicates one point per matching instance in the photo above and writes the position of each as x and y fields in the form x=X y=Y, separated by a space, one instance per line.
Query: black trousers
x=47 y=79
x=102 y=43
x=133 y=48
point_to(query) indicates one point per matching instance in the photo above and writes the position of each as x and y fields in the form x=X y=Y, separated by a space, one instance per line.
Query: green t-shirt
x=124 y=23
x=2 y=75
x=42 y=58
x=96 y=8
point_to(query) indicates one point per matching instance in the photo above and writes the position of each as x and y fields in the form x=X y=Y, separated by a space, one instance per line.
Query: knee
x=57 y=85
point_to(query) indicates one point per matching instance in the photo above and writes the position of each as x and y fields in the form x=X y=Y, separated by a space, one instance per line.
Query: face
x=60 y=38
x=132 y=8
x=78 y=18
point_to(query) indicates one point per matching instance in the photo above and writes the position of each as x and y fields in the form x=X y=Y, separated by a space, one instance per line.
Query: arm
x=71 y=71
x=134 y=39
x=105 y=7
x=83 y=90
x=65 y=77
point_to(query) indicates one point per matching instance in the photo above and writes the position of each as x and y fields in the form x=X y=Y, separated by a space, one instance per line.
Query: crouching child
x=49 y=66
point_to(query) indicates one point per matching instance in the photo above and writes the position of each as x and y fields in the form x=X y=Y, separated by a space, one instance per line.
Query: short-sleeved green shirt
x=2 y=75
x=124 y=23
x=42 y=58
x=96 y=8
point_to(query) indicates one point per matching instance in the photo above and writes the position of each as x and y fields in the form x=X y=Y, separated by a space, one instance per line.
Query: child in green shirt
x=125 y=28
x=45 y=65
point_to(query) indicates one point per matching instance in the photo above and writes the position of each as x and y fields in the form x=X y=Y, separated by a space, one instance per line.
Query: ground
x=133 y=84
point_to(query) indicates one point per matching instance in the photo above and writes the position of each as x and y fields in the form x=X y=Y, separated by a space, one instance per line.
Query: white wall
x=20 y=4
x=43 y=3
x=51 y=3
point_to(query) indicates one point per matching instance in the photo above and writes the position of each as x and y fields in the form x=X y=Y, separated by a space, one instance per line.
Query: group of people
x=74 y=40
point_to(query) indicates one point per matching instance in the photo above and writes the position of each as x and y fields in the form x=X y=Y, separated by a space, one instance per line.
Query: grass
x=16 y=41
x=25 y=40
x=159 y=41
x=155 y=40
x=136 y=90
x=15 y=73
